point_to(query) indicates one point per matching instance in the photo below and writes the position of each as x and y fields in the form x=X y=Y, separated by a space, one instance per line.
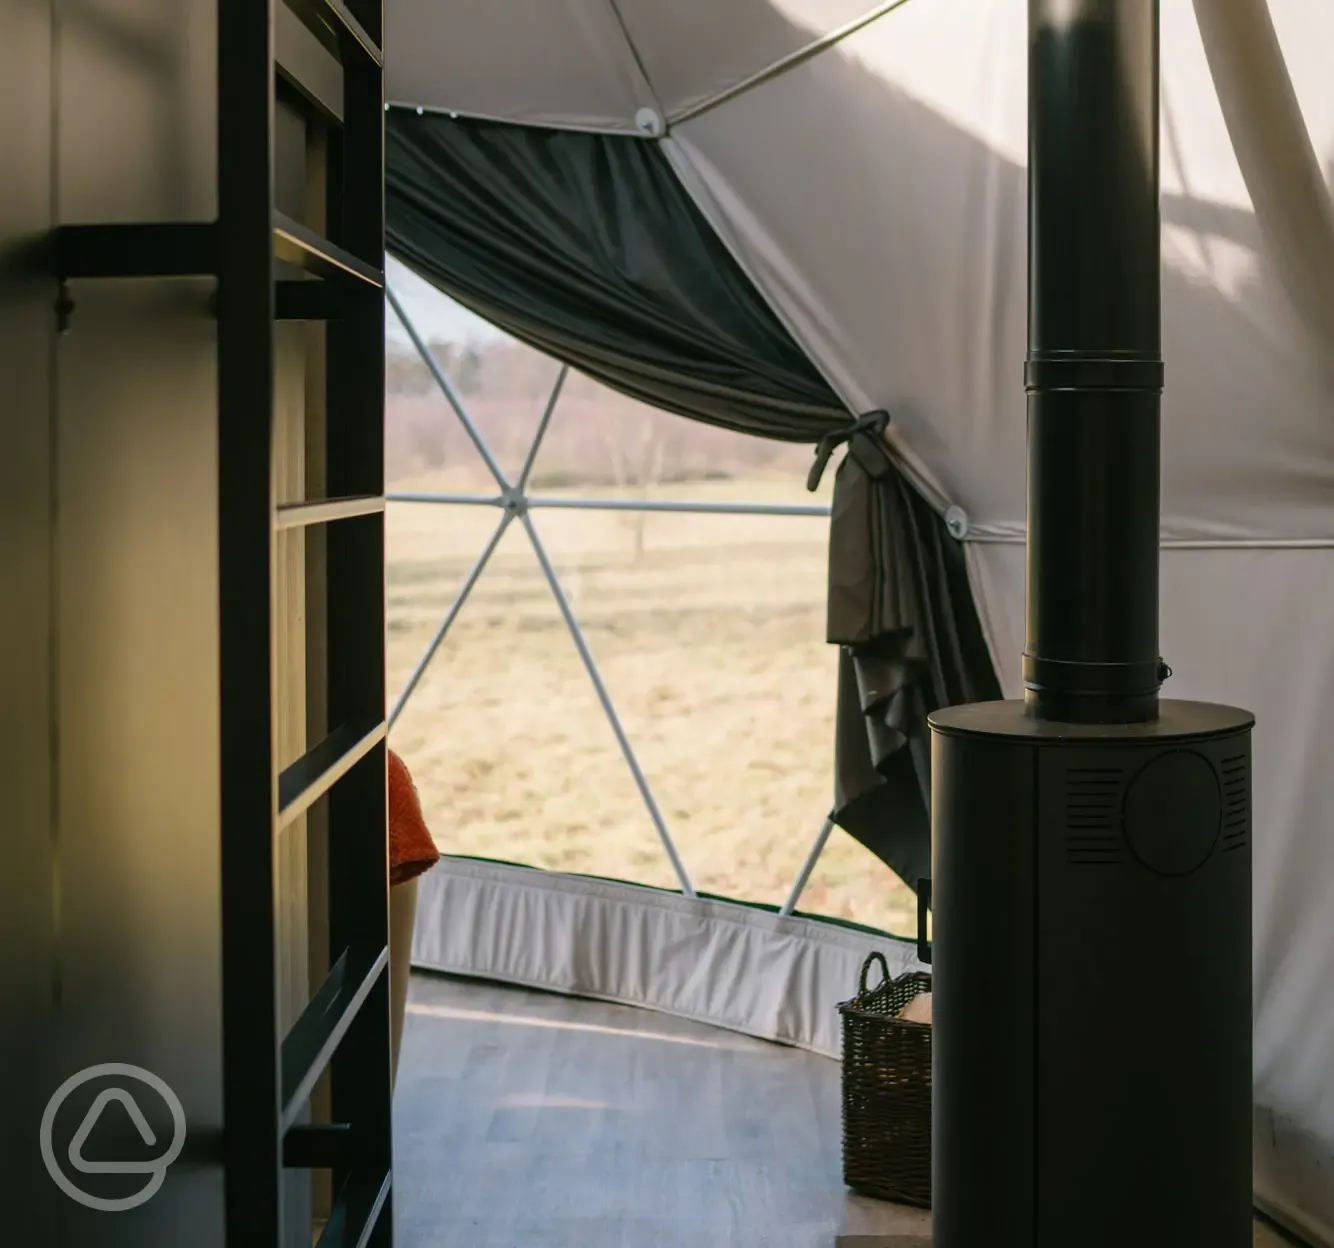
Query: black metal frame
x=346 y=1025
x=268 y=1077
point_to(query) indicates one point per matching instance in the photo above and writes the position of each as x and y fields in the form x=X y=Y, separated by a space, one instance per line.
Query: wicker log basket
x=887 y=1090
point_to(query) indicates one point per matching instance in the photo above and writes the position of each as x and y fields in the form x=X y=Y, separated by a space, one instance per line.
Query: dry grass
x=711 y=645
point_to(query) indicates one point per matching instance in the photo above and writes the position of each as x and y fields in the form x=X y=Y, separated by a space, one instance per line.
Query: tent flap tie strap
x=865 y=439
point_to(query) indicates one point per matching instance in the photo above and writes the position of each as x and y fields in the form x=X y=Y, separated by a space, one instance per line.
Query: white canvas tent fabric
x=592 y=64
x=906 y=143
x=866 y=166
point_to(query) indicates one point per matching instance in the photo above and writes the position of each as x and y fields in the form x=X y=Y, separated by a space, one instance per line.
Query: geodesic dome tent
x=779 y=215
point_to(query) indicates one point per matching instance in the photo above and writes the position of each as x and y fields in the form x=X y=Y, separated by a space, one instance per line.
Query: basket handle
x=872 y=958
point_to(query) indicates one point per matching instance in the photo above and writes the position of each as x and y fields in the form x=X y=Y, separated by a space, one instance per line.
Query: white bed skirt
x=749 y=970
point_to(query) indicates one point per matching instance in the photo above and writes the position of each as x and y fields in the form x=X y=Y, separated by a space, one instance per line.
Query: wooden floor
x=525 y=1119
x=529 y=1119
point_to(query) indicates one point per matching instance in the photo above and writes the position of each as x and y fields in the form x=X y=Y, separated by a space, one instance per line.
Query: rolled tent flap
x=587 y=247
x=910 y=642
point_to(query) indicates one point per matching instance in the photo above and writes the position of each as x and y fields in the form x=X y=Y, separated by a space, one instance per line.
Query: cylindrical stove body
x=1091 y=845
x=1092 y=990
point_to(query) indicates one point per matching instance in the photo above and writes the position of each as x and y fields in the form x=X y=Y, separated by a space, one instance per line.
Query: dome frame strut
x=515 y=503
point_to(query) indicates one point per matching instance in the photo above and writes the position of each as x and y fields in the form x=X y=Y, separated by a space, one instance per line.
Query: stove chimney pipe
x=1091 y=845
x=1094 y=373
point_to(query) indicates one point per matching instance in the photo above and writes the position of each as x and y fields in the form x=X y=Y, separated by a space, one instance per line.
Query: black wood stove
x=1091 y=844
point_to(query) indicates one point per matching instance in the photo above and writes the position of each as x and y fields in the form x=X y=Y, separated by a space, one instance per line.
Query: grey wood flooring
x=527 y=1119
x=524 y=1119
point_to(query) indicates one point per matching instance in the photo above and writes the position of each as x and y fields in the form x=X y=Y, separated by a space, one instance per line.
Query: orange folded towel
x=411 y=849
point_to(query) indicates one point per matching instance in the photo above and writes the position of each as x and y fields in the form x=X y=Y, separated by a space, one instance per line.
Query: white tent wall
x=1294 y=1176
x=873 y=187
x=560 y=63
x=877 y=194
x=593 y=64
x=1293 y=208
x=1252 y=628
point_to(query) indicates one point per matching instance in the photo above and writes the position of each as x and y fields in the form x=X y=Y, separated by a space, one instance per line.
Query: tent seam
x=619 y=131
x=791 y=60
x=678 y=159
x=639 y=70
x=980 y=537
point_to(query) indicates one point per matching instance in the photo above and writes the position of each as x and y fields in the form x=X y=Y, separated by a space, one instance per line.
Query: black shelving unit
x=336 y=278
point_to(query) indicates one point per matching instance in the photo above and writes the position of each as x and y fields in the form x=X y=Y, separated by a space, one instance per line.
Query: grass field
x=711 y=644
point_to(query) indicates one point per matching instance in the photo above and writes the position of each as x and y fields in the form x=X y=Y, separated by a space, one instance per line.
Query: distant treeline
x=597 y=437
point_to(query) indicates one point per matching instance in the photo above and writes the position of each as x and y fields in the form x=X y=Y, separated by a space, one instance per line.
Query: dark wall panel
x=138 y=706
x=26 y=333
x=136 y=822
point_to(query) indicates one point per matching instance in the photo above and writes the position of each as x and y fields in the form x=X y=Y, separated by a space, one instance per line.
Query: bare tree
x=637 y=449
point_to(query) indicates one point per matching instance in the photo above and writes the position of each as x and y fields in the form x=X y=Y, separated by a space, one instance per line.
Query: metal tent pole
x=447 y=389
x=804 y=875
x=515 y=503
x=531 y=458
x=454 y=608
x=594 y=675
x=679 y=506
